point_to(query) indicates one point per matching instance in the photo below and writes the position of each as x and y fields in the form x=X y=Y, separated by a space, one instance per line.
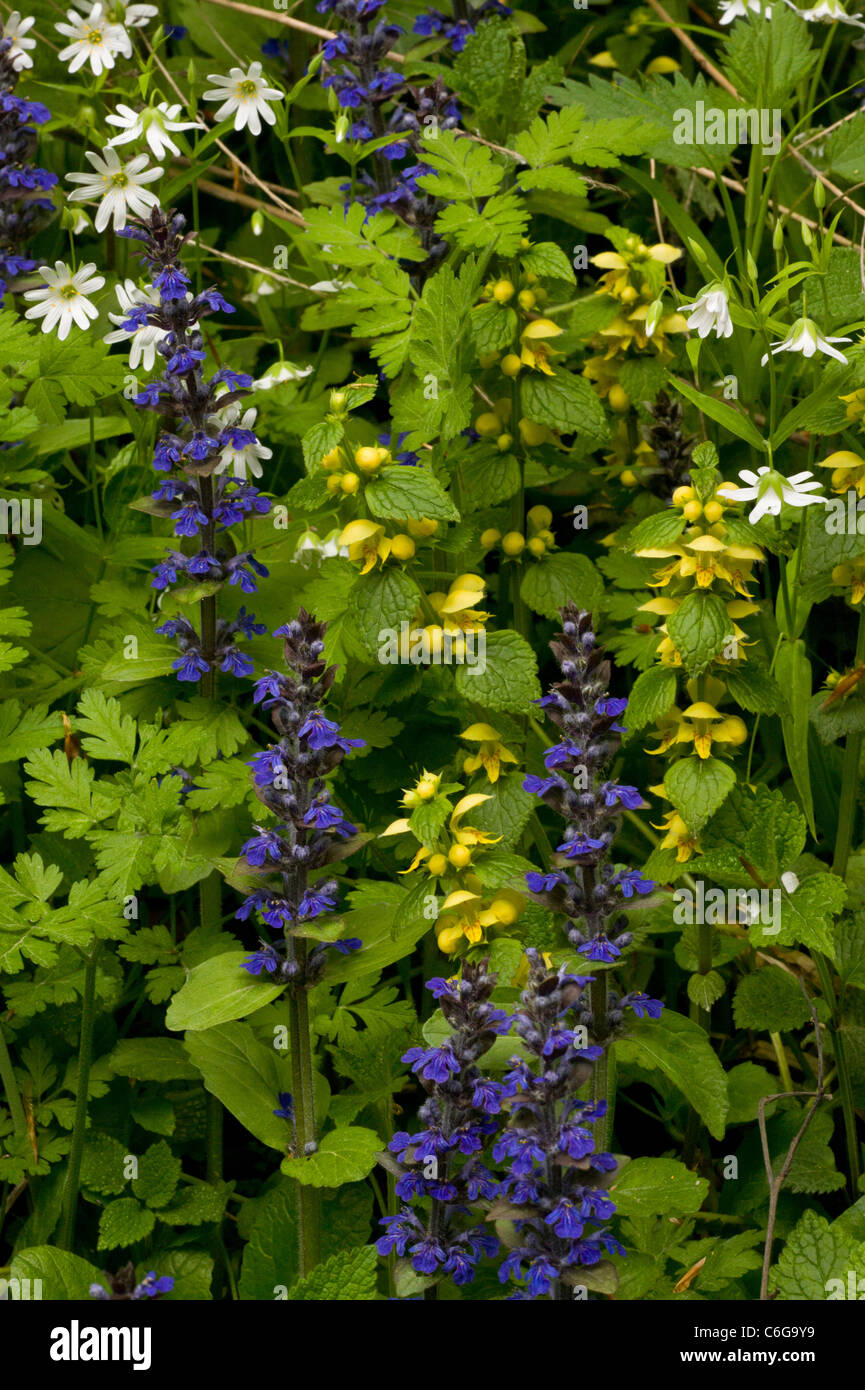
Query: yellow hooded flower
x=848 y=471
x=701 y=724
x=457 y=607
x=852 y=577
x=366 y=541
x=464 y=916
x=469 y=834
x=491 y=754
x=678 y=836
x=533 y=340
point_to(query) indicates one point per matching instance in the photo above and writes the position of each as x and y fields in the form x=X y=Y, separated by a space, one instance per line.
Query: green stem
x=309 y=1198
x=10 y=1086
x=85 y=1058
x=849 y=777
x=781 y=1058
x=604 y=1069
x=210 y=912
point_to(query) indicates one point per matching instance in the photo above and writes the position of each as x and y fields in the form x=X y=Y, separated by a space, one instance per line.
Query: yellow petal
x=480 y=733
x=843 y=459
x=664 y=253
x=458 y=896
x=468 y=803
x=541 y=328
x=609 y=260
x=702 y=710
x=359 y=531
x=396 y=827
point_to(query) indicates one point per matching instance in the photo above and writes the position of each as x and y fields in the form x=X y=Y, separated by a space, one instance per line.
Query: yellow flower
x=457 y=608
x=424 y=789
x=705 y=556
x=702 y=725
x=469 y=834
x=471 y=919
x=678 y=836
x=491 y=754
x=535 y=351
x=366 y=541
x=855 y=404
x=851 y=576
x=848 y=471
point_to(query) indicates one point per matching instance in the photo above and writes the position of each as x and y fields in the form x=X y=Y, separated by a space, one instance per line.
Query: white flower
x=789 y=881
x=63 y=300
x=738 y=9
x=804 y=337
x=312 y=548
x=15 y=28
x=118 y=185
x=710 y=310
x=94 y=38
x=276 y=374
x=142 y=341
x=332 y=286
x=245 y=95
x=153 y=123
x=830 y=12
x=243 y=453
x=770 y=489
x=121 y=12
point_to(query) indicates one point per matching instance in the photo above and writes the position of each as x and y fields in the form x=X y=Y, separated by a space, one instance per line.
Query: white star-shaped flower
x=275 y=375
x=829 y=12
x=152 y=123
x=710 y=311
x=245 y=96
x=95 y=39
x=63 y=300
x=16 y=28
x=143 y=339
x=118 y=186
x=770 y=490
x=243 y=450
x=738 y=9
x=805 y=337
x=121 y=12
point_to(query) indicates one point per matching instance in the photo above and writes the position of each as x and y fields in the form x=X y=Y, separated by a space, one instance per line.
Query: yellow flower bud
x=713 y=511
x=526 y=300
x=437 y=865
x=460 y=856
x=629 y=478
x=693 y=510
x=514 y=543
x=539 y=516
x=618 y=398
x=422 y=528
x=504 y=442
x=350 y=483
x=334 y=482
x=448 y=939
x=402 y=547
x=536 y=547
x=331 y=460
x=682 y=495
x=487 y=359
x=506 y=911
x=511 y=364
x=503 y=290
x=489 y=537
x=488 y=425
x=532 y=433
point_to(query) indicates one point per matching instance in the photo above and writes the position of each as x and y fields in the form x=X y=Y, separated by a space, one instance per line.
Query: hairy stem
x=309 y=1198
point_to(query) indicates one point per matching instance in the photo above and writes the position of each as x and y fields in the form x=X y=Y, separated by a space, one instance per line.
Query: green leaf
x=500 y=226
x=752 y=687
x=319 y=440
x=343 y=1155
x=409 y=494
x=699 y=628
x=652 y=695
x=770 y=1001
x=696 y=787
x=270 y=1256
x=103 y=1164
x=680 y=1049
x=508 y=680
x=767 y=61
x=109 y=733
x=845 y=149
x=722 y=414
x=793 y=671
x=218 y=991
x=506 y=812
x=815 y=1262
x=192 y=1272
x=158 y=1175
x=246 y=1076
x=549 y=261
x=152 y=1059
x=355 y=239
x=123 y=1223
x=807 y=914
x=656 y=532
x=560 y=578
x=378 y=603
x=564 y=401
x=706 y=990
x=487 y=477
x=462 y=168
x=761 y=826
x=347 y=1277
x=657 y=1187
x=65 y=1277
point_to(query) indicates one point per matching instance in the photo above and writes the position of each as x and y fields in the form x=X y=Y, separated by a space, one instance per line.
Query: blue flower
x=546 y=883
x=286 y=1106
x=627 y=796
x=642 y=1005
x=562 y=753
x=264 y=959
x=578 y=846
x=191 y=666
x=539 y=786
x=323 y=733
x=600 y=948
x=434 y=1063
x=631 y=881
x=267 y=844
